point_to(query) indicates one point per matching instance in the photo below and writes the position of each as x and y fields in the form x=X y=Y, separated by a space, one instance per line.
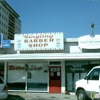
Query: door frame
x=55 y=80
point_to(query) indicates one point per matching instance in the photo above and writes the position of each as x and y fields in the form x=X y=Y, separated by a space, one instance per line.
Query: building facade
x=44 y=67
x=9 y=21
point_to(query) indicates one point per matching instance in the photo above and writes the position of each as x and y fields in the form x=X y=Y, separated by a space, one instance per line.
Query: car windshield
x=1 y=81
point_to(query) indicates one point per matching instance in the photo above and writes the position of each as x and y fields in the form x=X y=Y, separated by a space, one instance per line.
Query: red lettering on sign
x=45 y=40
x=35 y=40
x=30 y=40
x=40 y=40
x=25 y=41
x=33 y=67
x=11 y=67
x=45 y=44
x=30 y=45
x=40 y=45
x=35 y=45
x=51 y=40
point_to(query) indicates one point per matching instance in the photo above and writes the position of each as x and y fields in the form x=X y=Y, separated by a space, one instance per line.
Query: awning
x=49 y=56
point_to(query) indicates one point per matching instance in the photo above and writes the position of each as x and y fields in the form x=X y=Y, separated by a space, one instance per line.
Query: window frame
x=92 y=76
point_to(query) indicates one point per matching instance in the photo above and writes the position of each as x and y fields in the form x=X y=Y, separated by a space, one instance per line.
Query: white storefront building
x=47 y=62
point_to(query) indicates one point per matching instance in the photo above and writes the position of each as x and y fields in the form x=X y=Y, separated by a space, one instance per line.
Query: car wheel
x=81 y=95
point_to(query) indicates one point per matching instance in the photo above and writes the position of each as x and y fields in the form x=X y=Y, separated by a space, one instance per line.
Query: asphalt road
x=40 y=96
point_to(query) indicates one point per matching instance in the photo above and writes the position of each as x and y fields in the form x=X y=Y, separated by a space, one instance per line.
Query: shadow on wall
x=15 y=97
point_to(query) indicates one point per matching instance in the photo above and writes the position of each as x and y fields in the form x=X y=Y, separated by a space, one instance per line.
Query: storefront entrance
x=75 y=70
x=54 y=79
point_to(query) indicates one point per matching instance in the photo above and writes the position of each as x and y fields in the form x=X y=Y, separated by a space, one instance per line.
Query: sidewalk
x=40 y=96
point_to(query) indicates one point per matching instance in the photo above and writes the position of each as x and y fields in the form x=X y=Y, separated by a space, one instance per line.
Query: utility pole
x=92 y=27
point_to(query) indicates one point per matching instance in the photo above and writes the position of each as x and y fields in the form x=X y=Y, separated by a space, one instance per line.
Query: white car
x=89 y=87
x=3 y=90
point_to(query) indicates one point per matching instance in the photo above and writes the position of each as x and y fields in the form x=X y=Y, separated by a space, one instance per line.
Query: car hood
x=82 y=81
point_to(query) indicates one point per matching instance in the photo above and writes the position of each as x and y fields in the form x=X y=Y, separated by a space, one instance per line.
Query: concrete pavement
x=40 y=96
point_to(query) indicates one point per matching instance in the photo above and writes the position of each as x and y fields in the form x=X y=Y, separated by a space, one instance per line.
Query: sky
x=72 y=17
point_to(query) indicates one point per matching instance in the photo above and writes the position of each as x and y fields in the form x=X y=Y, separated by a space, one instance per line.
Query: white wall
x=75 y=49
x=72 y=47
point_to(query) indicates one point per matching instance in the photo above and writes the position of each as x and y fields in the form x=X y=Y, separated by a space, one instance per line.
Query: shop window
x=2 y=70
x=55 y=74
x=37 y=78
x=16 y=76
x=90 y=51
x=1 y=80
x=74 y=71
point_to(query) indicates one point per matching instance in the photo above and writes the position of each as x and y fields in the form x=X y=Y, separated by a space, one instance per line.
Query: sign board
x=39 y=41
x=6 y=44
x=88 y=42
x=1 y=39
